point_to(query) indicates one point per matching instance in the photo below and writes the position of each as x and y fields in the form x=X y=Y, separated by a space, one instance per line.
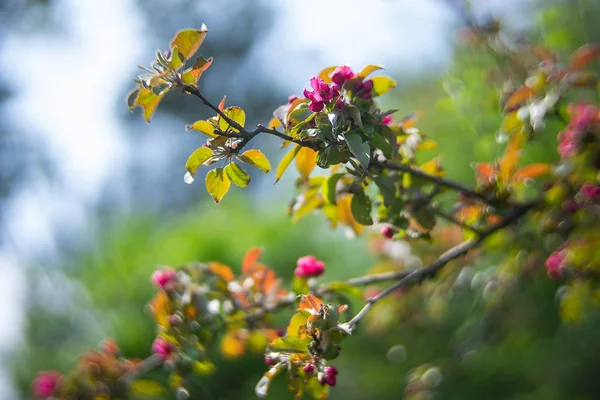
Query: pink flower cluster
x=322 y=93
x=583 y=116
x=46 y=384
x=162 y=348
x=308 y=267
x=589 y=192
x=162 y=277
x=555 y=262
x=329 y=377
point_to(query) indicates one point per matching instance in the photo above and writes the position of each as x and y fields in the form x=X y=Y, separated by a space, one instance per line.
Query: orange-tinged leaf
x=485 y=172
x=161 y=308
x=544 y=54
x=222 y=103
x=583 y=56
x=306 y=161
x=310 y=302
x=345 y=213
x=203 y=127
x=410 y=120
x=293 y=106
x=285 y=162
x=518 y=97
x=222 y=271
x=188 y=41
x=191 y=75
x=250 y=259
x=325 y=72
x=531 y=171
x=509 y=160
x=274 y=123
x=233 y=345
x=368 y=70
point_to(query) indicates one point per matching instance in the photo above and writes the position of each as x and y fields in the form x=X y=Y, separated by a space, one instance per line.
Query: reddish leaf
x=518 y=97
x=485 y=172
x=583 y=56
x=250 y=260
x=531 y=171
x=222 y=271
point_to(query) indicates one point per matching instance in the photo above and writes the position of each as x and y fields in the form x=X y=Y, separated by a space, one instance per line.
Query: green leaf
x=354 y=113
x=425 y=218
x=361 y=208
x=217 y=183
x=345 y=287
x=196 y=159
x=368 y=70
x=203 y=127
x=296 y=321
x=292 y=344
x=382 y=85
x=316 y=390
x=360 y=149
x=379 y=142
x=328 y=188
x=236 y=114
x=387 y=188
x=147 y=387
x=257 y=158
x=237 y=175
x=188 y=42
x=299 y=286
x=285 y=162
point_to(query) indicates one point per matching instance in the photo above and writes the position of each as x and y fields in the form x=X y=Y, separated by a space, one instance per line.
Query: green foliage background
x=519 y=349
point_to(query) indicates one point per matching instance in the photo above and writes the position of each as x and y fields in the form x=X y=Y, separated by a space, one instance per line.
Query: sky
x=85 y=65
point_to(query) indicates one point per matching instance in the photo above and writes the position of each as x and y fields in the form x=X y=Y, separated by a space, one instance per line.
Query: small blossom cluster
x=309 y=267
x=46 y=384
x=322 y=93
x=583 y=117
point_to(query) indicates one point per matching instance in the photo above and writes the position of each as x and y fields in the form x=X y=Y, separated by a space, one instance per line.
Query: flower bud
x=308 y=267
x=46 y=383
x=162 y=277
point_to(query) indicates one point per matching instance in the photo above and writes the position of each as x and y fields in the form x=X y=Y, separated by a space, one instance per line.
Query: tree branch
x=420 y=274
x=435 y=179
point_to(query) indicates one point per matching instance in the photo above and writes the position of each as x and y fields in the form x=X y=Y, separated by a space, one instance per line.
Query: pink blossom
x=331 y=371
x=387 y=120
x=162 y=348
x=583 y=117
x=309 y=266
x=339 y=103
x=590 y=192
x=554 y=264
x=320 y=94
x=387 y=232
x=308 y=368
x=342 y=74
x=46 y=383
x=161 y=277
x=567 y=149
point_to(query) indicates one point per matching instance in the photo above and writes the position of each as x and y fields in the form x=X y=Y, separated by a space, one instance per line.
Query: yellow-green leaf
x=306 y=161
x=204 y=127
x=188 y=42
x=237 y=175
x=203 y=368
x=191 y=75
x=196 y=159
x=236 y=114
x=257 y=158
x=148 y=101
x=382 y=84
x=366 y=71
x=328 y=188
x=296 y=322
x=217 y=183
x=325 y=72
x=310 y=203
x=285 y=162
x=147 y=387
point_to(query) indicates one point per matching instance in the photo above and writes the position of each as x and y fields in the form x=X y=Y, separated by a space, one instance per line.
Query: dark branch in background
x=420 y=274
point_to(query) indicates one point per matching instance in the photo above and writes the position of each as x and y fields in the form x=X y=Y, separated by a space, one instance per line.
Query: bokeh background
x=92 y=198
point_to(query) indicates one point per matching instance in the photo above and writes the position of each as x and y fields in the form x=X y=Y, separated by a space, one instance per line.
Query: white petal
x=188 y=178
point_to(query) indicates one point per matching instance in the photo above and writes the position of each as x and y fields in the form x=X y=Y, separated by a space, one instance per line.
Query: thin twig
x=454 y=221
x=141 y=368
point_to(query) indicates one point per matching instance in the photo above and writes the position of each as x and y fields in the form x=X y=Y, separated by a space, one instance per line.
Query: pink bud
x=163 y=276
x=570 y=206
x=368 y=85
x=162 y=348
x=46 y=383
x=331 y=371
x=554 y=264
x=331 y=381
x=309 y=266
x=280 y=332
x=316 y=106
x=270 y=361
x=387 y=120
x=387 y=232
x=292 y=98
x=339 y=103
x=342 y=74
x=589 y=191
x=308 y=368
